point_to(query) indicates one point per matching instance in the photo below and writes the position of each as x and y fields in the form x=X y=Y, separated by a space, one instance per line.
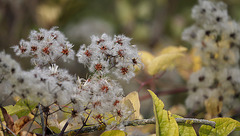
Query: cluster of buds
x=217 y=38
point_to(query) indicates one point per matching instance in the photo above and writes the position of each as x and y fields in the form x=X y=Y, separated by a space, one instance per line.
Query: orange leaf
x=20 y=123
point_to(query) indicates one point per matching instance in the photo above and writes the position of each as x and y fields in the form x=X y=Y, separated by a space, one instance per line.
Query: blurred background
x=153 y=25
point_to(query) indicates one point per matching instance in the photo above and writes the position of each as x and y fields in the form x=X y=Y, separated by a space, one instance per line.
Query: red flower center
x=46 y=50
x=87 y=53
x=98 y=67
x=124 y=70
x=65 y=51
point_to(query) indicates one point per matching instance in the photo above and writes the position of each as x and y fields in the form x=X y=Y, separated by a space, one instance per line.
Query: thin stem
x=2 y=127
x=9 y=130
x=65 y=126
x=42 y=120
x=196 y=121
x=84 y=124
x=149 y=81
x=35 y=115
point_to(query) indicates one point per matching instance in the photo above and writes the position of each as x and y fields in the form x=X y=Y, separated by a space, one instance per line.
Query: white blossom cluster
x=97 y=98
x=217 y=38
x=45 y=46
x=106 y=55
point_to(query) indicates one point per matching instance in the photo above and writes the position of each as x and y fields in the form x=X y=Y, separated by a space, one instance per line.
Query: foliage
x=166 y=59
x=166 y=124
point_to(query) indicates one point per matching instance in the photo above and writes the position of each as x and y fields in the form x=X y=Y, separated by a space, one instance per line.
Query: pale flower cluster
x=106 y=55
x=45 y=47
x=97 y=98
x=217 y=38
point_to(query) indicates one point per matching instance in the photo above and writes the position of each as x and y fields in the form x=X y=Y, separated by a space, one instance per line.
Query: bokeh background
x=153 y=25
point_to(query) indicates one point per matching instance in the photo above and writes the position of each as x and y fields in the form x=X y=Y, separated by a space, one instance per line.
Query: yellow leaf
x=134 y=104
x=224 y=126
x=146 y=57
x=167 y=59
x=114 y=133
x=185 y=129
x=166 y=124
x=162 y=62
x=173 y=49
x=238 y=126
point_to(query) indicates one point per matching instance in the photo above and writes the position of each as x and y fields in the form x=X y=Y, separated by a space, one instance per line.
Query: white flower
x=45 y=46
x=105 y=56
x=53 y=69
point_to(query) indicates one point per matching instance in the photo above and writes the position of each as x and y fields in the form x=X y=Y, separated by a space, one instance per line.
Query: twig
x=2 y=127
x=178 y=120
x=42 y=120
x=139 y=122
x=145 y=122
x=9 y=130
x=65 y=126
x=84 y=124
x=149 y=81
x=196 y=121
x=35 y=115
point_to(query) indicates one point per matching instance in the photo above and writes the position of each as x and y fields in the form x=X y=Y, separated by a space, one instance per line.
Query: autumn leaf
x=114 y=133
x=16 y=126
x=16 y=110
x=8 y=119
x=223 y=127
x=132 y=101
x=166 y=124
x=165 y=60
x=185 y=129
x=173 y=49
x=146 y=57
x=20 y=124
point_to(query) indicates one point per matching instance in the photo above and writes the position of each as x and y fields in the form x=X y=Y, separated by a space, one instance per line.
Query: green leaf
x=16 y=109
x=166 y=124
x=37 y=130
x=55 y=129
x=185 y=129
x=114 y=133
x=224 y=126
x=29 y=105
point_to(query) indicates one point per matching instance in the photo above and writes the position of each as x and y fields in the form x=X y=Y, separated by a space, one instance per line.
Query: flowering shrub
x=93 y=100
x=58 y=103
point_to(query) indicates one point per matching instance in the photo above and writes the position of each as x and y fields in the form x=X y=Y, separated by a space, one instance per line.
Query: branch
x=145 y=122
x=196 y=121
x=178 y=120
